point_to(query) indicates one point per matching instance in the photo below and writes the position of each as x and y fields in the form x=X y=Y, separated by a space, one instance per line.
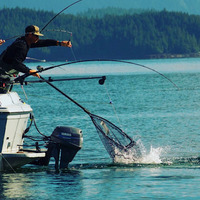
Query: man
x=1 y=41
x=11 y=60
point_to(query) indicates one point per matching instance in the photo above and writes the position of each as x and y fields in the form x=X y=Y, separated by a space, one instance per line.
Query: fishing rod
x=21 y=78
x=59 y=14
x=16 y=36
x=48 y=21
x=35 y=59
x=101 y=79
x=58 y=30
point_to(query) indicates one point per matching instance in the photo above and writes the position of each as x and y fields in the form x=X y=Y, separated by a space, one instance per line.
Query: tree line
x=127 y=36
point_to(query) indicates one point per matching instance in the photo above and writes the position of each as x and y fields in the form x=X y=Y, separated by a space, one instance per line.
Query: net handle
x=92 y=116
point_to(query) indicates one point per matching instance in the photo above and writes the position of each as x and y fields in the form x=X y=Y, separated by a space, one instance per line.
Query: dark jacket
x=17 y=52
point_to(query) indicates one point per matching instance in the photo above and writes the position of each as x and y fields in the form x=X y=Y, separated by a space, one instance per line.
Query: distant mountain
x=188 y=6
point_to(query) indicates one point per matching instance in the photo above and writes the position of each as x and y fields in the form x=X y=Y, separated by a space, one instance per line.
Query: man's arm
x=49 y=42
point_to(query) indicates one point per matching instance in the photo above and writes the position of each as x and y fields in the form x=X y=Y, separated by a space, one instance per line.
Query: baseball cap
x=33 y=29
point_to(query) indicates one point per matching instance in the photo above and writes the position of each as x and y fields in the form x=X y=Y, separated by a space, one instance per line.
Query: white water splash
x=153 y=157
x=140 y=155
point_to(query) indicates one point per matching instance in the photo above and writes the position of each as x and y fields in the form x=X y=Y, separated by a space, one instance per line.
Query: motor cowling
x=67 y=136
x=64 y=144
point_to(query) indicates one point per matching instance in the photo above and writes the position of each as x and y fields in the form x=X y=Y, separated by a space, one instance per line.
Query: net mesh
x=112 y=137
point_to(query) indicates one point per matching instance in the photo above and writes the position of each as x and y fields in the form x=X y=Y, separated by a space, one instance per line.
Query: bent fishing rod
x=49 y=20
x=21 y=78
x=59 y=14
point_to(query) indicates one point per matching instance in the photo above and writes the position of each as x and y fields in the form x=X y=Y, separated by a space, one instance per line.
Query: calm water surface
x=165 y=121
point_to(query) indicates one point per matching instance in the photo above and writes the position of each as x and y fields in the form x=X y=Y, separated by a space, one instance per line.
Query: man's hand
x=66 y=44
x=33 y=71
x=1 y=41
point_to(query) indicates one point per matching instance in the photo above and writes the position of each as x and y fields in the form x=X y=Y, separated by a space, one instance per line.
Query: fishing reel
x=40 y=68
x=102 y=80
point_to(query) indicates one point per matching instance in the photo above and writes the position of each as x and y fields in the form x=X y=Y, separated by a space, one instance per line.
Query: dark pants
x=6 y=78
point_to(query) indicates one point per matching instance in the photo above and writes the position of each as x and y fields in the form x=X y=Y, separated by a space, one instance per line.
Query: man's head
x=32 y=29
x=32 y=34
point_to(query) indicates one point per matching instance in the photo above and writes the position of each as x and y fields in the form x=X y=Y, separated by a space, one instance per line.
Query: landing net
x=111 y=136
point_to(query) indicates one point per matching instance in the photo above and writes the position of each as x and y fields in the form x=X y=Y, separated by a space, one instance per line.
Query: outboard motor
x=64 y=144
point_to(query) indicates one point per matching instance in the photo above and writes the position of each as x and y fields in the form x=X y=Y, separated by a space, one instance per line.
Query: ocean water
x=164 y=120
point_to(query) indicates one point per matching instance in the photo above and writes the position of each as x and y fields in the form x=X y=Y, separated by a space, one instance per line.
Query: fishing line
x=113 y=107
x=24 y=92
x=73 y=54
x=71 y=48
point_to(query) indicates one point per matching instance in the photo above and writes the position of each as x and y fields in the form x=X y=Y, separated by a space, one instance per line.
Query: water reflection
x=43 y=184
x=14 y=186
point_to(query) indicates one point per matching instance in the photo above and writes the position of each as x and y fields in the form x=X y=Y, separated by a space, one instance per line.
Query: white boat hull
x=10 y=161
x=14 y=115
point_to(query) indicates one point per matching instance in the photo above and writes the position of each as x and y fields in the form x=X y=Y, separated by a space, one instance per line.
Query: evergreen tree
x=122 y=36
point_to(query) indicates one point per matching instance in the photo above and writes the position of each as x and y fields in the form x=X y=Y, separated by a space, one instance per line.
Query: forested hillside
x=138 y=35
x=186 y=6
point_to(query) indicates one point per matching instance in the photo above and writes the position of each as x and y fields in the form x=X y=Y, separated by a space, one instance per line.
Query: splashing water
x=138 y=154
x=153 y=157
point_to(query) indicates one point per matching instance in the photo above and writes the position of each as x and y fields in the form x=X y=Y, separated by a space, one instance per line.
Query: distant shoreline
x=161 y=56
